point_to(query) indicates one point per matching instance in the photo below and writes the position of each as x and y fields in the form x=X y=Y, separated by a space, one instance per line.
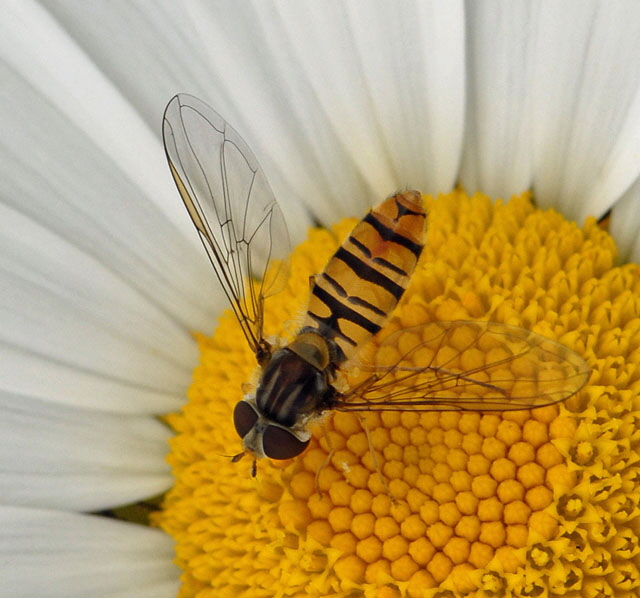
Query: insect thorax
x=295 y=383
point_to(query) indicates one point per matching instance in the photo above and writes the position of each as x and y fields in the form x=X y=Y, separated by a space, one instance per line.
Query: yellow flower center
x=522 y=503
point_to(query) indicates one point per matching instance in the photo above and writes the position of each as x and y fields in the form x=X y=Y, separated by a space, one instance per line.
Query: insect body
x=364 y=280
x=350 y=301
x=478 y=366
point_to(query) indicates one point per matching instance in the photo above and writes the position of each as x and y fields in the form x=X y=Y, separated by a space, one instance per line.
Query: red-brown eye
x=244 y=418
x=277 y=443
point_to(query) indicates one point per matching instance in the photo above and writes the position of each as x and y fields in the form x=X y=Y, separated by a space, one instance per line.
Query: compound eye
x=277 y=443
x=244 y=418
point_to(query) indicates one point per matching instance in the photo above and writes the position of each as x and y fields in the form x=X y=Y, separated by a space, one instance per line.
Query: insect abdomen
x=364 y=280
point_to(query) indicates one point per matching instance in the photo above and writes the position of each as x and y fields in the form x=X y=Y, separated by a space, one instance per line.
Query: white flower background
x=102 y=277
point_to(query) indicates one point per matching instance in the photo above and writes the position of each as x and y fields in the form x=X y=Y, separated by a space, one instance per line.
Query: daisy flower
x=530 y=112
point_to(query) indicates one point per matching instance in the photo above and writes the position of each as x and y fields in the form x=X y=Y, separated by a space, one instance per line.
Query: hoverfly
x=464 y=366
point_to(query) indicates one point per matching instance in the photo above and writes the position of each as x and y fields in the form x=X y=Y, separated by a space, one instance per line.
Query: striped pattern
x=363 y=281
x=289 y=387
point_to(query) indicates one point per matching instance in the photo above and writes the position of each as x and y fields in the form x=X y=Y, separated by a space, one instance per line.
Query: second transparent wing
x=463 y=366
x=232 y=207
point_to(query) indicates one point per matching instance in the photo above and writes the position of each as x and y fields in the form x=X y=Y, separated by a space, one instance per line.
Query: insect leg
x=372 y=451
x=327 y=459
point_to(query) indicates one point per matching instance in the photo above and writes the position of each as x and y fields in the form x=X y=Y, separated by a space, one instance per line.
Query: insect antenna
x=236 y=458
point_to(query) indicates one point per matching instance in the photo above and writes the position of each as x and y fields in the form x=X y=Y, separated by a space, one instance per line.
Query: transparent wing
x=463 y=366
x=232 y=206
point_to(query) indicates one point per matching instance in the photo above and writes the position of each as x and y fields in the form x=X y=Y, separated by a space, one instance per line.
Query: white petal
x=587 y=105
x=625 y=224
x=497 y=150
x=80 y=160
x=37 y=48
x=61 y=303
x=72 y=459
x=101 y=289
x=162 y=58
x=60 y=555
x=334 y=117
x=315 y=89
x=416 y=84
x=168 y=50
x=40 y=377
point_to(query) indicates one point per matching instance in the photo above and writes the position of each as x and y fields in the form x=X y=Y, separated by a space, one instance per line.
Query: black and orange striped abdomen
x=363 y=281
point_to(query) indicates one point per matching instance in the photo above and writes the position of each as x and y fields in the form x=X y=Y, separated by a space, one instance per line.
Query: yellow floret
x=483 y=486
x=403 y=568
x=430 y=512
x=443 y=493
x=363 y=525
x=439 y=566
x=490 y=509
x=303 y=485
x=460 y=480
x=341 y=492
x=421 y=550
x=516 y=512
x=489 y=424
x=441 y=473
x=492 y=533
x=517 y=535
x=502 y=469
x=395 y=547
x=381 y=505
x=480 y=554
x=530 y=474
x=385 y=528
x=535 y=433
x=467 y=502
x=457 y=549
x=320 y=531
x=340 y=519
x=439 y=534
x=478 y=464
x=493 y=448
x=538 y=498
x=350 y=567
x=345 y=542
x=509 y=432
x=320 y=506
x=548 y=456
x=419 y=581
x=295 y=513
x=378 y=573
x=449 y=513
x=413 y=527
x=369 y=549
x=468 y=527
x=521 y=453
